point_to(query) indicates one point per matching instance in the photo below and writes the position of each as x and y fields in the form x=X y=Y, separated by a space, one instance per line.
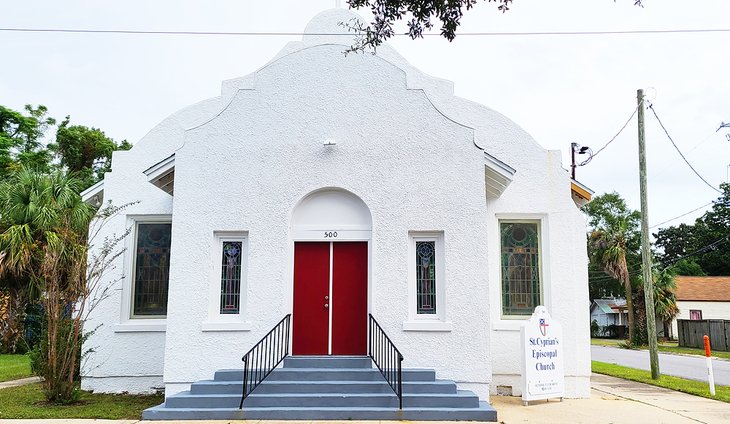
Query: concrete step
x=328 y=374
x=484 y=412
x=461 y=399
x=327 y=362
x=235 y=387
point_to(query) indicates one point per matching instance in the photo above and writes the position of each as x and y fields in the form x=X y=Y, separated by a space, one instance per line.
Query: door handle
x=326 y=298
x=326 y=305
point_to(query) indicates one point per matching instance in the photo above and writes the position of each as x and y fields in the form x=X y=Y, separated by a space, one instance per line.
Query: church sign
x=542 y=357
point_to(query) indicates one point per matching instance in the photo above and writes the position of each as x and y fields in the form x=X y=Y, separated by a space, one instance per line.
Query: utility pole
x=645 y=248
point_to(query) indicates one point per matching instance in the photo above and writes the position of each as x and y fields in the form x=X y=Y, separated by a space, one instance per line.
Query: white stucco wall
x=409 y=150
x=710 y=310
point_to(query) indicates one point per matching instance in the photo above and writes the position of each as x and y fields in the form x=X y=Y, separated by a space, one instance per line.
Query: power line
x=297 y=33
x=679 y=151
x=703 y=249
x=680 y=216
x=615 y=136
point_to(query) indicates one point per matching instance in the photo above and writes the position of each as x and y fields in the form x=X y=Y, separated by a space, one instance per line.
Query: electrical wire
x=703 y=249
x=680 y=216
x=651 y=107
x=297 y=33
x=617 y=134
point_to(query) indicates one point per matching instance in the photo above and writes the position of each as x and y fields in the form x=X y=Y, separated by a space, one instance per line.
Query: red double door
x=330 y=298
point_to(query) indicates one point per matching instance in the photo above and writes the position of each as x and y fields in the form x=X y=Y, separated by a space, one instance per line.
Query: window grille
x=231 y=277
x=152 y=268
x=520 y=268
x=426 y=277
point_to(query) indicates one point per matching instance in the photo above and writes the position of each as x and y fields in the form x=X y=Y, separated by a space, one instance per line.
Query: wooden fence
x=691 y=333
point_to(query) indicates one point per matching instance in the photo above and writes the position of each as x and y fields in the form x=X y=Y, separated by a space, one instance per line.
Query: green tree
x=614 y=242
x=608 y=247
x=21 y=139
x=606 y=212
x=688 y=267
x=85 y=152
x=705 y=242
x=420 y=15
x=44 y=242
x=665 y=297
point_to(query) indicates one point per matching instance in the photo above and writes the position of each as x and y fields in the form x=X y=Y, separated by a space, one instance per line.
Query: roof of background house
x=610 y=306
x=713 y=289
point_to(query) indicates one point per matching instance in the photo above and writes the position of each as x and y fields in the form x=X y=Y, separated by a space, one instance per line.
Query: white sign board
x=542 y=357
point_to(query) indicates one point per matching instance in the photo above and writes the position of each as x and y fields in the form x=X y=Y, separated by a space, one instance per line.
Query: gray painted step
x=328 y=374
x=462 y=399
x=483 y=413
x=327 y=362
x=234 y=387
x=324 y=388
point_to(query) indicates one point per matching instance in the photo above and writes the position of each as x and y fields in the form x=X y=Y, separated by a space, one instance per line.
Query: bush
x=596 y=330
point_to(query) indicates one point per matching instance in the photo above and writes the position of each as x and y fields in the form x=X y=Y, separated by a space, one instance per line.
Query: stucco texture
x=405 y=146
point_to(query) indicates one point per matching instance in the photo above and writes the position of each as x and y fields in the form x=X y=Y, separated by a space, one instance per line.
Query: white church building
x=330 y=187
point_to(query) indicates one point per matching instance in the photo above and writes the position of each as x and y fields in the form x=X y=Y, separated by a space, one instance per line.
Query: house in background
x=702 y=298
x=610 y=312
x=331 y=187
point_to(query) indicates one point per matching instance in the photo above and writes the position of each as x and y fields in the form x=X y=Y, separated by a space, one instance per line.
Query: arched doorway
x=331 y=229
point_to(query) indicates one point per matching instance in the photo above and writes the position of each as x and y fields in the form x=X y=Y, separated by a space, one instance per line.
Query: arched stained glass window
x=520 y=257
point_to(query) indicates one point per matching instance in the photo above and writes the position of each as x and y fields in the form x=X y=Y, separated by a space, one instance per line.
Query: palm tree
x=609 y=249
x=44 y=242
x=665 y=297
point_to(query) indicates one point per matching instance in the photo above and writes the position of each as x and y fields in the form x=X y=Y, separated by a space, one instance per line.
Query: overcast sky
x=560 y=88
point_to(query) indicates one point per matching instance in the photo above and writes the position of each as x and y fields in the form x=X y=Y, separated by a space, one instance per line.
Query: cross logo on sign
x=543 y=327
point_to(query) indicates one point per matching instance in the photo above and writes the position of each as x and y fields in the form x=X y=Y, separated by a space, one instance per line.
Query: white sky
x=561 y=89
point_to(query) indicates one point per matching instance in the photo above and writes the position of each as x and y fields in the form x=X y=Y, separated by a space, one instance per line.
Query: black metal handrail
x=266 y=355
x=386 y=357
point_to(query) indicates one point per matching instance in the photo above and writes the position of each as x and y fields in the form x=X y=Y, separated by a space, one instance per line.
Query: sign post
x=543 y=376
x=710 y=375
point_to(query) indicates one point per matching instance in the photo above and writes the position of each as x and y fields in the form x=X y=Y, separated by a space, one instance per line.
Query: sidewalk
x=613 y=401
x=616 y=401
x=21 y=382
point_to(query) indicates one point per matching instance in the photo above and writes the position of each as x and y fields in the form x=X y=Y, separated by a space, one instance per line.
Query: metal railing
x=266 y=355
x=386 y=357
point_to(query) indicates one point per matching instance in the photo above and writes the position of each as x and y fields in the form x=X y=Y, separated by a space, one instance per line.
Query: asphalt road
x=691 y=367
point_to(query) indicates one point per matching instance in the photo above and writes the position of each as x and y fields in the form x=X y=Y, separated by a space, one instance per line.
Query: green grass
x=607 y=342
x=28 y=402
x=13 y=367
x=692 y=387
x=669 y=347
x=664 y=347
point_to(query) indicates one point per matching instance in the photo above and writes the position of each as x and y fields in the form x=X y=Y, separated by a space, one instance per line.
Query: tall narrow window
x=152 y=268
x=425 y=277
x=521 y=290
x=231 y=277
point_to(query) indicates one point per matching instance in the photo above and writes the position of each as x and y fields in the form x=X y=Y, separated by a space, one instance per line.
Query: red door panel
x=310 y=327
x=349 y=298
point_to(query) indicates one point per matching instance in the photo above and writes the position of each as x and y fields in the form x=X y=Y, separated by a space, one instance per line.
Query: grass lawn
x=28 y=402
x=13 y=367
x=692 y=387
x=664 y=347
x=607 y=342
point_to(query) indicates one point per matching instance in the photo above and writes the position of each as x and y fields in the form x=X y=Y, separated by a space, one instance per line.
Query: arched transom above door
x=331 y=214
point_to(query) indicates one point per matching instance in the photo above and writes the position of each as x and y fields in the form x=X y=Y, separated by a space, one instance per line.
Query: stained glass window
x=520 y=268
x=152 y=268
x=426 y=277
x=231 y=277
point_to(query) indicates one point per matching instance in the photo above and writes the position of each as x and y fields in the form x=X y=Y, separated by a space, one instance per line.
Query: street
x=691 y=367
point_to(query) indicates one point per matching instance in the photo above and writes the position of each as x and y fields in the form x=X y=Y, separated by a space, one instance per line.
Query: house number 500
x=330 y=234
